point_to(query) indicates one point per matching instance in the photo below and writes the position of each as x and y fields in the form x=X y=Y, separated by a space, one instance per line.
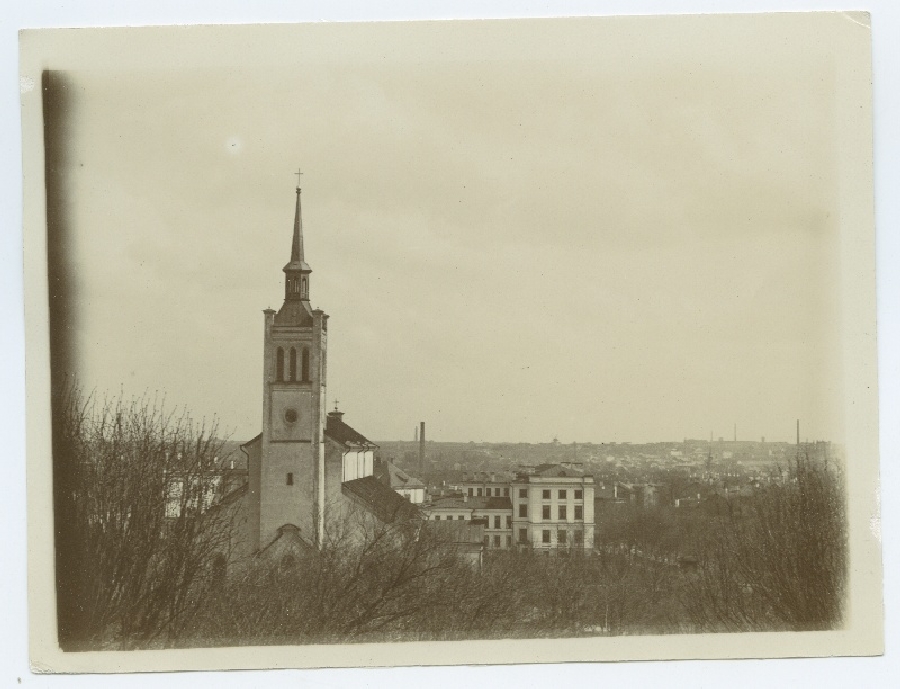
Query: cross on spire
x=298 y=173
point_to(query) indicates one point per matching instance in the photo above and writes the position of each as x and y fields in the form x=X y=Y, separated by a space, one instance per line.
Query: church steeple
x=296 y=281
x=296 y=310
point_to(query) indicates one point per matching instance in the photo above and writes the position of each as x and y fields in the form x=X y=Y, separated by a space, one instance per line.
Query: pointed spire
x=297 y=246
x=297 y=262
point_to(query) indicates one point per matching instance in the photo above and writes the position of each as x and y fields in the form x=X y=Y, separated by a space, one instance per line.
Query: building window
x=523 y=492
x=562 y=494
x=546 y=512
x=506 y=492
x=523 y=535
x=508 y=521
x=579 y=538
x=496 y=521
x=509 y=541
x=471 y=492
x=487 y=541
x=460 y=517
x=304 y=365
x=545 y=536
x=546 y=495
x=496 y=541
x=279 y=364
x=290 y=478
x=561 y=537
x=293 y=367
x=578 y=494
x=479 y=492
x=523 y=510
x=562 y=512
x=579 y=512
x=487 y=492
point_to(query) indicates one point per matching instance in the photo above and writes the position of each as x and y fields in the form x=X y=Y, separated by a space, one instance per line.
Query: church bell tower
x=291 y=488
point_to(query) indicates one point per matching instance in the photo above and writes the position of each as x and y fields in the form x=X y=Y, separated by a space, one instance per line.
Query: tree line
x=148 y=557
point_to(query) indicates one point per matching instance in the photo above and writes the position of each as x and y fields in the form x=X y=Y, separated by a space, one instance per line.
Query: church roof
x=337 y=430
x=380 y=500
x=294 y=312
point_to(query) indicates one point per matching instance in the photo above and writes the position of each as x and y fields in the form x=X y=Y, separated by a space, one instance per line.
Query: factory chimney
x=421 y=446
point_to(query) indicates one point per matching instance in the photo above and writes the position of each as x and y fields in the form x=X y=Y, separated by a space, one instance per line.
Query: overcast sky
x=609 y=230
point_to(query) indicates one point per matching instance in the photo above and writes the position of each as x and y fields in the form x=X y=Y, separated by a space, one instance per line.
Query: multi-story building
x=553 y=507
x=482 y=484
x=546 y=508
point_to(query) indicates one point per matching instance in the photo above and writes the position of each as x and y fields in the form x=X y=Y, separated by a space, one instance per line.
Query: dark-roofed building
x=378 y=499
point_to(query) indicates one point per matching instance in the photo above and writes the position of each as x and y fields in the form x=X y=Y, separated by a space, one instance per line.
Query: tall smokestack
x=421 y=445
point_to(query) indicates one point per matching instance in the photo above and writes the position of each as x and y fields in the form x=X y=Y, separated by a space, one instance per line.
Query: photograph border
x=87 y=48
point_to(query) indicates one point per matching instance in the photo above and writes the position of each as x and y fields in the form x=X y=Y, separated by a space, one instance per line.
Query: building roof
x=494 y=503
x=340 y=432
x=451 y=502
x=380 y=500
x=397 y=477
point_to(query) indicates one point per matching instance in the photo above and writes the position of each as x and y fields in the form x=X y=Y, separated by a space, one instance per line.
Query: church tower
x=290 y=475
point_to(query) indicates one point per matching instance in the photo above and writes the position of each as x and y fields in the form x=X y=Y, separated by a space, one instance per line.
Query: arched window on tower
x=305 y=365
x=279 y=364
x=293 y=364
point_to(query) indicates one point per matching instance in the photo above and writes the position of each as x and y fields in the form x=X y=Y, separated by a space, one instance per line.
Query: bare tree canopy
x=143 y=540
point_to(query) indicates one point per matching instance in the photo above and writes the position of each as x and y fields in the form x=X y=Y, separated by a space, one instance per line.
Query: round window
x=290 y=415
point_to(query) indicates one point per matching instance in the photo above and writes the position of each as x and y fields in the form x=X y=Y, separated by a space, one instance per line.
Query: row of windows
x=499 y=491
x=562 y=493
x=292 y=364
x=561 y=511
x=489 y=492
x=497 y=521
x=562 y=537
x=496 y=541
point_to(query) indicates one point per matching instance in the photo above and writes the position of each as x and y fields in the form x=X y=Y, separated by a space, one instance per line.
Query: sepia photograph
x=364 y=339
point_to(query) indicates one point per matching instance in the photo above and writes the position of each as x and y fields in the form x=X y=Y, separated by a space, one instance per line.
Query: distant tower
x=288 y=484
x=421 y=445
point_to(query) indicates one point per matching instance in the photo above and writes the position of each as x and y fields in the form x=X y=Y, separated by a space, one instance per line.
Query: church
x=308 y=471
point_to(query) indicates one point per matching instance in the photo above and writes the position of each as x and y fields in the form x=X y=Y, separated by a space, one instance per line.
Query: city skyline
x=514 y=241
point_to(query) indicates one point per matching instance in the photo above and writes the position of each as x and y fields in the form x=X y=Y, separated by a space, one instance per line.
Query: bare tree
x=778 y=562
x=146 y=536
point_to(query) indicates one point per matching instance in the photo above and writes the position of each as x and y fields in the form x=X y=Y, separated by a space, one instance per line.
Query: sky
x=601 y=231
